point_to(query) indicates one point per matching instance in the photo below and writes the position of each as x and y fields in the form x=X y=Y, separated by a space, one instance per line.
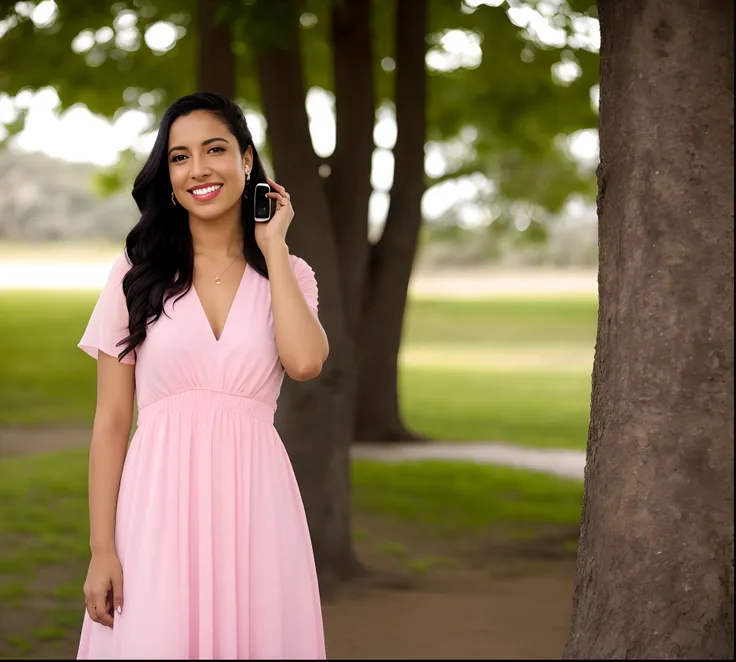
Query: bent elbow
x=305 y=371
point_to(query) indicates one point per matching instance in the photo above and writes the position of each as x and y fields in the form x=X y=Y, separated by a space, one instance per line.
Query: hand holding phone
x=261 y=203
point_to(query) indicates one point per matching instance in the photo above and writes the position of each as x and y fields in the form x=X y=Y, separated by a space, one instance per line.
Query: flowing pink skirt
x=213 y=540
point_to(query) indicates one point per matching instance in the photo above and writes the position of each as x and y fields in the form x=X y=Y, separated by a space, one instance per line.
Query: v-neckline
x=229 y=310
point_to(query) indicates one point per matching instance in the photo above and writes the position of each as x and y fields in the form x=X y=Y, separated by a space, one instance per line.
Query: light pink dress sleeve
x=307 y=282
x=108 y=324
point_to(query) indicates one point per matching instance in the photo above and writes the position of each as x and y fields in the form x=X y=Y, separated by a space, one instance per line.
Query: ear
x=248 y=159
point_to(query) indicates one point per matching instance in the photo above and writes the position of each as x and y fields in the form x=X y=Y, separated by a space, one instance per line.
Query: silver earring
x=173 y=199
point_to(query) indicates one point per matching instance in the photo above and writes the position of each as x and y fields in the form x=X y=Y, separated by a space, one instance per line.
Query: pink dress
x=211 y=530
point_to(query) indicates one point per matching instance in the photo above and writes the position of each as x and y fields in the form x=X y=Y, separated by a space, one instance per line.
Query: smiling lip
x=206 y=196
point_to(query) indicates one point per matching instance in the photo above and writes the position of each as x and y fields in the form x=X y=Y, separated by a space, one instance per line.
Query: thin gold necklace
x=217 y=278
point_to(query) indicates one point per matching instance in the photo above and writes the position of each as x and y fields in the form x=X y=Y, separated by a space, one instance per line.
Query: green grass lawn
x=472 y=370
x=541 y=409
x=44 y=377
x=485 y=372
x=44 y=527
x=43 y=502
x=502 y=322
x=464 y=497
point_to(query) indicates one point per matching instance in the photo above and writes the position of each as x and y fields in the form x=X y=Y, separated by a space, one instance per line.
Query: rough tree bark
x=655 y=566
x=391 y=258
x=349 y=184
x=314 y=418
x=215 y=58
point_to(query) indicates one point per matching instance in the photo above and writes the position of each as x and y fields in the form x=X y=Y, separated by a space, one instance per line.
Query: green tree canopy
x=506 y=90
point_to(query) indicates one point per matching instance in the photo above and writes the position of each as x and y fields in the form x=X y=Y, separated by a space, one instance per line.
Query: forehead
x=196 y=127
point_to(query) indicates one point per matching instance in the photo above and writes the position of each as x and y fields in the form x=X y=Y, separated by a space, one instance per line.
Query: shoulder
x=306 y=281
x=120 y=266
x=300 y=267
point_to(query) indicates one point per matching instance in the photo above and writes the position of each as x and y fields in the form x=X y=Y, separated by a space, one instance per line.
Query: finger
x=117 y=592
x=280 y=199
x=99 y=609
x=93 y=612
x=273 y=184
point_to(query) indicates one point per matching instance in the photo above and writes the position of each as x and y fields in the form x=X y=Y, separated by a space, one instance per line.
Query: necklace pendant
x=217 y=281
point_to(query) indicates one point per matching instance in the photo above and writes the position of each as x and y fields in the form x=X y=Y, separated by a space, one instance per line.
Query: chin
x=213 y=210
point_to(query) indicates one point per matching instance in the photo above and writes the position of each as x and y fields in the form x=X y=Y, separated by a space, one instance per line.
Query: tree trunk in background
x=655 y=566
x=314 y=418
x=215 y=58
x=377 y=407
x=349 y=185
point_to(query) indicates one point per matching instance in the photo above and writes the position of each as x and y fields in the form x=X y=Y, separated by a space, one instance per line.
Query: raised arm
x=301 y=341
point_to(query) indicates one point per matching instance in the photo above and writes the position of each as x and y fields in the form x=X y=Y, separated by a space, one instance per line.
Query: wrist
x=102 y=547
x=274 y=248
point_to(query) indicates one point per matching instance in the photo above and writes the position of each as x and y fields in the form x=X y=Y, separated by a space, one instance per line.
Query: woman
x=199 y=541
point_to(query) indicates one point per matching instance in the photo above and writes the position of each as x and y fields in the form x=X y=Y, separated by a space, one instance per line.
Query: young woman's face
x=205 y=165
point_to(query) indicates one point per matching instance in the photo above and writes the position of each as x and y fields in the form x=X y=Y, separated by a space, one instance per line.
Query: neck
x=217 y=237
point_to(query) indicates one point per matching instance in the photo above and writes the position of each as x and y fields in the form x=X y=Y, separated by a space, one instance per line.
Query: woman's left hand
x=273 y=233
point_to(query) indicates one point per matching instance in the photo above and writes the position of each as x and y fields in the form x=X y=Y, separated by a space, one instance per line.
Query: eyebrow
x=206 y=142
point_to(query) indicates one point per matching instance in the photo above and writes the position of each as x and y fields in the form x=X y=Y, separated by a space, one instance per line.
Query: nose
x=200 y=170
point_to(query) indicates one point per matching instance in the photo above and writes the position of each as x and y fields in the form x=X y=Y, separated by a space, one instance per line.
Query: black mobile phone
x=262 y=204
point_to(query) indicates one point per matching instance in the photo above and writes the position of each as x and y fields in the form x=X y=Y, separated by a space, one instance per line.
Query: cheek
x=235 y=176
x=177 y=177
x=233 y=170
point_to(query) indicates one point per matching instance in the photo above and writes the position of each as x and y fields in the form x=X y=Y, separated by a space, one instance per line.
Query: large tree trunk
x=215 y=58
x=349 y=184
x=377 y=408
x=655 y=566
x=314 y=418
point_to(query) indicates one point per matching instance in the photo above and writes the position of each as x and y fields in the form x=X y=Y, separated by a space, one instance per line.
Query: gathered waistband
x=206 y=401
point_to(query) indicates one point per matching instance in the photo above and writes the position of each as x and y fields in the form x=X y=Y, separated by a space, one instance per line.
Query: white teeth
x=205 y=191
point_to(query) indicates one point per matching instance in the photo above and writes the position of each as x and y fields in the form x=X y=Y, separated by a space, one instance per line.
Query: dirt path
x=26 y=441
x=426 y=598
x=500 y=607
x=564 y=463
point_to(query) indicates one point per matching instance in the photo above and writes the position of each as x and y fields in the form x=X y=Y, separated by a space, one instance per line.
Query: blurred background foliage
x=512 y=93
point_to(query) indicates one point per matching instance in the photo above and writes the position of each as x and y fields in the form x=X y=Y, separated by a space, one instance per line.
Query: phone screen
x=262 y=203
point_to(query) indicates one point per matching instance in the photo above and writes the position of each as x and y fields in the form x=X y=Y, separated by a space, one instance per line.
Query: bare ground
x=482 y=597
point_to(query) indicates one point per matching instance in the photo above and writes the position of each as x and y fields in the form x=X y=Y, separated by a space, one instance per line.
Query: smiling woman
x=199 y=540
x=182 y=178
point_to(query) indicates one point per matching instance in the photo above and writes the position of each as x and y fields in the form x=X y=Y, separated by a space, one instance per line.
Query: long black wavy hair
x=159 y=247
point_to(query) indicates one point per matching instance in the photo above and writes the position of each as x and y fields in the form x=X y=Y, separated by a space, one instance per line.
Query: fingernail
x=120 y=609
